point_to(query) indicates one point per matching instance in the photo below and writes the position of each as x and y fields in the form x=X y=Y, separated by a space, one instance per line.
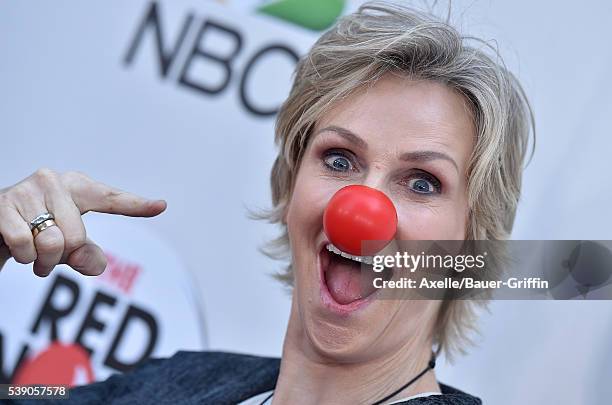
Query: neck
x=307 y=377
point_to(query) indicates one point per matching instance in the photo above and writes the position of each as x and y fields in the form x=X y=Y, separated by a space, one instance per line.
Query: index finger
x=91 y=195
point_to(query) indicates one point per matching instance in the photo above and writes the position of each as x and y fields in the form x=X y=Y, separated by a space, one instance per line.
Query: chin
x=338 y=343
x=341 y=322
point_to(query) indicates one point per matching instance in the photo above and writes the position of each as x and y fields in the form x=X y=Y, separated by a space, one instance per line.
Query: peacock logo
x=316 y=15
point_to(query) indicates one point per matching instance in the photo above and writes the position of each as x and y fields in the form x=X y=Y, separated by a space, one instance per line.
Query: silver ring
x=41 y=219
x=41 y=227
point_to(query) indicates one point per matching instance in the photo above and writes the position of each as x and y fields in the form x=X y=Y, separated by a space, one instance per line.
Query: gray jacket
x=206 y=378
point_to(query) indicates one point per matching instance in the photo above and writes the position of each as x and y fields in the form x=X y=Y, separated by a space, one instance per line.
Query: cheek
x=305 y=211
x=428 y=222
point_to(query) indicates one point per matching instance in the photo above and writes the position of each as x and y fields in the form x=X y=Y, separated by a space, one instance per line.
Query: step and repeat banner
x=176 y=99
x=73 y=329
x=168 y=99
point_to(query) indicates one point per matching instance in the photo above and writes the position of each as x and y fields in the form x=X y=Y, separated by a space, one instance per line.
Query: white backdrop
x=67 y=93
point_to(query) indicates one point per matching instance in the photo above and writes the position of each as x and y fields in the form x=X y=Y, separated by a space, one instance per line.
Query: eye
x=423 y=183
x=338 y=161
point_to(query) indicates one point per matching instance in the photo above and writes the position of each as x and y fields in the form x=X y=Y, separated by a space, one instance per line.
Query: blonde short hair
x=384 y=37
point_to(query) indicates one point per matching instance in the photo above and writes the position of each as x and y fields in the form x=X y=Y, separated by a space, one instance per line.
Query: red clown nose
x=359 y=213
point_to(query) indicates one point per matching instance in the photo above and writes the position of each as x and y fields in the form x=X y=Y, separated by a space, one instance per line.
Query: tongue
x=343 y=278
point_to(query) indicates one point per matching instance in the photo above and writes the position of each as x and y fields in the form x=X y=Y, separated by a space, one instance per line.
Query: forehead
x=406 y=114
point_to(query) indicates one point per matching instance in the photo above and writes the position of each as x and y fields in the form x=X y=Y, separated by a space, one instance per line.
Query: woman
x=389 y=98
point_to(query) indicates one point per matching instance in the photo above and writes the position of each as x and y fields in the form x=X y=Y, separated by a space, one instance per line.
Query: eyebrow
x=426 y=156
x=345 y=133
x=416 y=156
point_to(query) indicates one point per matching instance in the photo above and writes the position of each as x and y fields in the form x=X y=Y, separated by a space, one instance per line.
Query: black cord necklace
x=430 y=366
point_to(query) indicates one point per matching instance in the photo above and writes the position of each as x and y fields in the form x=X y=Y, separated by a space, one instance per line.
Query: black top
x=206 y=378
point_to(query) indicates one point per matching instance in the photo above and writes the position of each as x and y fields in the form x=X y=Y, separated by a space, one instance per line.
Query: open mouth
x=348 y=278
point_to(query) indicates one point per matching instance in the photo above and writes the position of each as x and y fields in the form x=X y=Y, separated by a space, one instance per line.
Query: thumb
x=89 y=259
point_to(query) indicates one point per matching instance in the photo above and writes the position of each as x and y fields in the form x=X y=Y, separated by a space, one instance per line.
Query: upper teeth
x=360 y=259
